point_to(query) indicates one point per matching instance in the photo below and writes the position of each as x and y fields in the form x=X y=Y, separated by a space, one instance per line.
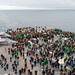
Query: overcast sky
x=37 y=4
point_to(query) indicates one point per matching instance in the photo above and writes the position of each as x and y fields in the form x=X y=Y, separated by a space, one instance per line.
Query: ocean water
x=62 y=19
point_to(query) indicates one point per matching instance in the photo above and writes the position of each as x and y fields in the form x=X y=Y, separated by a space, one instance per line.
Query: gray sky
x=37 y=4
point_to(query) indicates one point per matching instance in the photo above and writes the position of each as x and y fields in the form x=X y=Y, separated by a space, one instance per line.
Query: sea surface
x=61 y=19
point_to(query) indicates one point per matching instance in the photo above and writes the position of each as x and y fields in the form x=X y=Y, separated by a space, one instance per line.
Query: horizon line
x=8 y=7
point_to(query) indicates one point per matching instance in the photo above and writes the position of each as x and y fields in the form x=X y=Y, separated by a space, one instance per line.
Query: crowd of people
x=52 y=50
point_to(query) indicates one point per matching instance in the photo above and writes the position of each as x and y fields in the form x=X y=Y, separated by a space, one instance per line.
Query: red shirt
x=10 y=48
